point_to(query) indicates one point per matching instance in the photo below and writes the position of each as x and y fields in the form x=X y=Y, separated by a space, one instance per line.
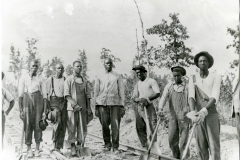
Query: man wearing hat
x=145 y=91
x=204 y=91
x=32 y=106
x=176 y=93
x=58 y=107
x=109 y=100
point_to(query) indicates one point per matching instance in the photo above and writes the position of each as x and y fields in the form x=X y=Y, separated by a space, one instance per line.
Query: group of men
x=61 y=100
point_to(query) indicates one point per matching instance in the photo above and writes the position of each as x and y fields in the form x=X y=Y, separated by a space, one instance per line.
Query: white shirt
x=209 y=85
x=109 y=89
x=31 y=85
x=58 y=87
x=236 y=93
x=146 y=88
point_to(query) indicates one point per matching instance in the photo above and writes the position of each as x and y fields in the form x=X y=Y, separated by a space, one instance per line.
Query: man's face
x=177 y=76
x=77 y=67
x=141 y=74
x=203 y=62
x=108 y=65
x=34 y=67
x=59 y=69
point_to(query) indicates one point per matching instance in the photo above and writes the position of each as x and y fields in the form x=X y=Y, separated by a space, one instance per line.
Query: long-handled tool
x=188 y=143
x=20 y=155
x=146 y=156
x=149 y=132
x=83 y=151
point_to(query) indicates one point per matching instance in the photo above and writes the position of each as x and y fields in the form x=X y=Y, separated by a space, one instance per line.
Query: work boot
x=29 y=153
x=116 y=151
x=37 y=153
x=155 y=148
x=58 y=150
x=73 y=150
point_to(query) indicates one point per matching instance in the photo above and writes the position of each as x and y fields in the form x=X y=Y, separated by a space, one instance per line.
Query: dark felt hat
x=206 y=54
x=142 y=68
x=43 y=124
x=180 y=68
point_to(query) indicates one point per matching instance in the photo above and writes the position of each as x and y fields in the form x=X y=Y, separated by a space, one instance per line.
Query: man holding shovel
x=32 y=106
x=58 y=107
x=77 y=93
x=109 y=99
x=145 y=91
x=204 y=90
x=177 y=95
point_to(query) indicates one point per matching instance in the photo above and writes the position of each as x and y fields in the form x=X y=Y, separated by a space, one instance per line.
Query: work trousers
x=33 y=110
x=73 y=125
x=208 y=137
x=238 y=130
x=141 y=123
x=110 y=115
x=58 y=116
x=178 y=135
x=3 y=126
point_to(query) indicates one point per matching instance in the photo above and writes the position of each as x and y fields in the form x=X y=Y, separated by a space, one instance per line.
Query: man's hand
x=77 y=108
x=160 y=112
x=193 y=116
x=22 y=115
x=143 y=102
x=202 y=114
x=122 y=112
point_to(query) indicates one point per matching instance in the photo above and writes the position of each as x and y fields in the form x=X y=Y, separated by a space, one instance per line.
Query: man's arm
x=96 y=90
x=121 y=90
x=164 y=97
x=191 y=94
x=10 y=99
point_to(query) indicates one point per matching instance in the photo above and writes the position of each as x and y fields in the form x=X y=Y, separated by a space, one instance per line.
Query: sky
x=64 y=27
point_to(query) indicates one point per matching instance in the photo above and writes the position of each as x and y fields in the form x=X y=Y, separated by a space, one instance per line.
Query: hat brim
x=206 y=54
x=183 y=69
x=141 y=69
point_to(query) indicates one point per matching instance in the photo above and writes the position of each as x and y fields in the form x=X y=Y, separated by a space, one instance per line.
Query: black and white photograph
x=120 y=80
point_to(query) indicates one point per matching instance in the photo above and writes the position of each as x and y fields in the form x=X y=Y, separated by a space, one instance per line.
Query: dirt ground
x=128 y=135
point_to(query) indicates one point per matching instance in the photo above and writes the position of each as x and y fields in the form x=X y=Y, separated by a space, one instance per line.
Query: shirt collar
x=181 y=84
x=106 y=72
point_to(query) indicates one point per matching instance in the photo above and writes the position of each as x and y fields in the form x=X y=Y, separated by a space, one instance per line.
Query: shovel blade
x=84 y=151
x=143 y=157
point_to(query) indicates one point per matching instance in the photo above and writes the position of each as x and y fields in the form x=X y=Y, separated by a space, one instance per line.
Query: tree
x=69 y=70
x=235 y=44
x=32 y=52
x=175 y=51
x=105 y=53
x=83 y=60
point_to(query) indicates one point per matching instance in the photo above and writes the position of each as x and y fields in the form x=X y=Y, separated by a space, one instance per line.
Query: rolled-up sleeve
x=191 y=88
x=21 y=87
x=121 y=89
x=216 y=88
x=155 y=86
x=164 y=97
x=67 y=91
x=96 y=90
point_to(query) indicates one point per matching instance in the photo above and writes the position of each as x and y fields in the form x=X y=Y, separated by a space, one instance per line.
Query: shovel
x=146 y=156
x=188 y=143
x=83 y=151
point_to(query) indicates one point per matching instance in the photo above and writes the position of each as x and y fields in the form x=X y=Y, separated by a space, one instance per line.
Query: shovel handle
x=154 y=134
x=189 y=141
x=81 y=127
x=147 y=122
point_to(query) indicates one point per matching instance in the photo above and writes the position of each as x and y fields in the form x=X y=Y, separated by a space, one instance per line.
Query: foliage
x=175 y=51
x=105 y=53
x=32 y=52
x=83 y=60
x=16 y=62
x=69 y=70
x=235 y=44
x=226 y=91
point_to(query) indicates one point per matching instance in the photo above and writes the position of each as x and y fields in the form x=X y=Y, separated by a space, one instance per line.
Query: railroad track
x=94 y=142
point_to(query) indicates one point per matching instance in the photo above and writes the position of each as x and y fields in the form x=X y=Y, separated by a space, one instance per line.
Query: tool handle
x=147 y=122
x=189 y=141
x=81 y=127
x=154 y=134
